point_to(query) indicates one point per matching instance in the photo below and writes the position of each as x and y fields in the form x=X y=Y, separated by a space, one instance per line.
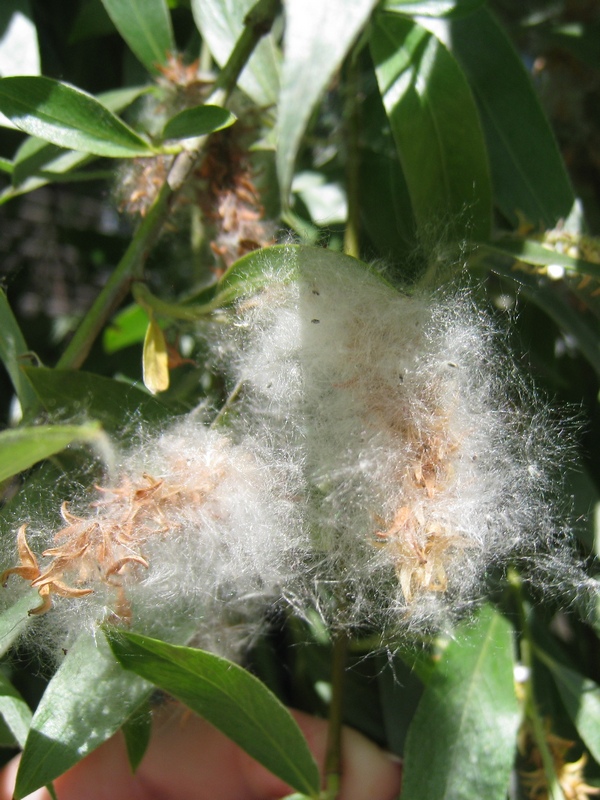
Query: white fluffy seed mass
x=424 y=474
x=188 y=543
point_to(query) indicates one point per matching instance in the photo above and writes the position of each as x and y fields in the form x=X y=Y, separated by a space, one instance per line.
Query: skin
x=188 y=758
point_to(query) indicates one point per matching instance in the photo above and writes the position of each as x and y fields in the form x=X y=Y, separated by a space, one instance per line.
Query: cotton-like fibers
x=428 y=463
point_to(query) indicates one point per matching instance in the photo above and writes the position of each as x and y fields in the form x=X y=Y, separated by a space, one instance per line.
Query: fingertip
x=367 y=770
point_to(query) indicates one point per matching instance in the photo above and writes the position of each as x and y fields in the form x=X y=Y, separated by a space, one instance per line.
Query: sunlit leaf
x=198 y=121
x=146 y=27
x=230 y=698
x=128 y=327
x=21 y=448
x=15 y=619
x=68 y=117
x=155 y=359
x=462 y=740
x=432 y=8
x=87 y=700
x=318 y=36
x=436 y=127
x=534 y=252
x=47 y=162
x=221 y=23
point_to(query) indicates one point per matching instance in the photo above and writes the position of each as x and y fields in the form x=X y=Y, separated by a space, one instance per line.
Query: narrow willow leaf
x=46 y=162
x=318 y=37
x=581 y=698
x=14 y=710
x=12 y=348
x=462 y=740
x=137 y=730
x=533 y=252
x=68 y=117
x=221 y=23
x=6 y=165
x=198 y=121
x=87 y=700
x=15 y=619
x=436 y=127
x=155 y=359
x=21 y=448
x=146 y=27
x=230 y=698
x=529 y=175
x=432 y=8
x=65 y=393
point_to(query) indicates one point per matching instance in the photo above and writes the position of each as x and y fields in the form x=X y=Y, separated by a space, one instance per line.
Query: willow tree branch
x=257 y=23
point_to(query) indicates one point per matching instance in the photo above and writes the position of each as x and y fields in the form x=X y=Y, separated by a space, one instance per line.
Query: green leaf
x=6 y=166
x=221 y=23
x=461 y=743
x=581 y=698
x=68 y=117
x=436 y=127
x=253 y=272
x=14 y=710
x=137 y=730
x=146 y=27
x=87 y=700
x=198 y=121
x=15 y=619
x=230 y=698
x=66 y=393
x=533 y=252
x=318 y=37
x=21 y=448
x=12 y=349
x=46 y=162
x=126 y=328
x=432 y=8
x=528 y=173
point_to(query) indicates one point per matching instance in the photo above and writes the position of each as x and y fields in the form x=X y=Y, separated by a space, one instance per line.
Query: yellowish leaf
x=155 y=359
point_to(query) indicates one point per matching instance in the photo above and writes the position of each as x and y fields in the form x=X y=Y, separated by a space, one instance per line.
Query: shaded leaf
x=432 y=8
x=198 y=121
x=137 y=730
x=87 y=700
x=21 y=448
x=146 y=27
x=221 y=23
x=581 y=697
x=528 y=173
x=541 y=292
x=155 y=359
x=436 y=127
x=230 y=698
x=461 y=743
x=66 y=393
x=68 y=117
x=12 y=348
x=318 y=37
x=14 y=710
